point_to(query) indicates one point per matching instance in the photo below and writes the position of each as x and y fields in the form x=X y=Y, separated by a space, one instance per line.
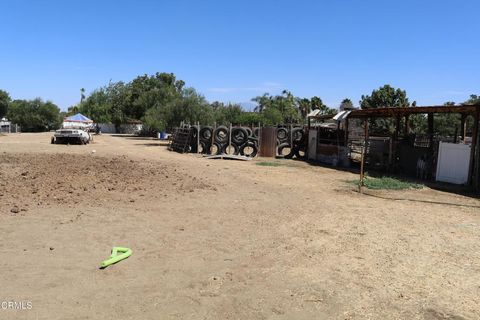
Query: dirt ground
x=217 y=239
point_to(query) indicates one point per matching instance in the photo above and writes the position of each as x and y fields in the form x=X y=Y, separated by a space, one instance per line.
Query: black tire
x=297 y=135
x=239 y=136
x=256 y=132
x=221 y=134
x=206 y=134
x=282 y=134
x=249 y=149
x=204 y=147
x=215 y=149
x=282 y=147
x=301 y=153
x=194 y=132
x=227 y=149
x=249 y=131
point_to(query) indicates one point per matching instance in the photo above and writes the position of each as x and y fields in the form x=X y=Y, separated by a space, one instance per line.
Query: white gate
x=453 y=163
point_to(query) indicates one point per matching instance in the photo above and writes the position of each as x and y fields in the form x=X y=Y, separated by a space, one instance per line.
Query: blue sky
x=235 y=50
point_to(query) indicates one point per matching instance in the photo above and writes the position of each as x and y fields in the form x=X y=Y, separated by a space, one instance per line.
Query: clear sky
x=235 y=50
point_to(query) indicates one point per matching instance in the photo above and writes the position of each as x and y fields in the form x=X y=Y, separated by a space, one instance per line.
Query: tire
x=249 y=149
x=297 y=134
x=249 y=131
x=256 y=132
x=239 y=136
x=216 y=149
x=221 y=134
x=227 y=149
x=206 y=134
x=301 y=153
x=193 y=139
x=194 y=132
x=282 y=134
x=204 y=147
x=283 y=146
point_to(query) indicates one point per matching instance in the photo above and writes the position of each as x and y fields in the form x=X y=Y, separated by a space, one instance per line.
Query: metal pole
x=229 y=139
x=198 y=137
x=291 y=139
x=213 y=137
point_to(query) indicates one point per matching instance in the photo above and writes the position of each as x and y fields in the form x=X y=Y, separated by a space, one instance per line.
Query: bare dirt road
x=215 y=239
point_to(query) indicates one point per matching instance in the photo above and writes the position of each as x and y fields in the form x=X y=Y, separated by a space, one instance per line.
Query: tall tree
x=34 y=115
x=317 y=104
x=346 y=104
x=4 y=103
x=82 y=94
x=305 y=106
x=385 y=97
x=474 y=99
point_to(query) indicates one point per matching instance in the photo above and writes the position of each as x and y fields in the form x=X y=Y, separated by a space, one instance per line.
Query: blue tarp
x=77 y=118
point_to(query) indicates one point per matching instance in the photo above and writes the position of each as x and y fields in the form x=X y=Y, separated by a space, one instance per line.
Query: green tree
x=82 y=94
x=474 y=99
x=226 y=113
x=317 y=104
x=4 y=103
x=251 y=118
x=35 y=115
x=384 y=97
x=284 y=105
x=346 y=104
x=305 y=106
x=97 y=106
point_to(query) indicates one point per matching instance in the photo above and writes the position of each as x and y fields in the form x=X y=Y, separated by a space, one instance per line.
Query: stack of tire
x=243 y=142
x=291 y=143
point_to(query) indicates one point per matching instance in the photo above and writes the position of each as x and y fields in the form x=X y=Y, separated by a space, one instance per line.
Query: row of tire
x=240 y=141
x=291 y=143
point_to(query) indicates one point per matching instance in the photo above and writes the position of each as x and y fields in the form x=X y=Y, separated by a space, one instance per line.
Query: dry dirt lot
x=215 y=239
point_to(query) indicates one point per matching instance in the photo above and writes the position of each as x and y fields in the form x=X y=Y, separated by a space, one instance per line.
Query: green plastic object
x=118 y=254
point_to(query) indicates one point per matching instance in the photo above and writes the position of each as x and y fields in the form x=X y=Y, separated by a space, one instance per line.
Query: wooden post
x=406 y=129
x=345 y=132
x=463 y=126
x=431 y=148
x=390 y=154
x=397 y=128
x=430 y=130
x=259 y=136
x=362 y=163
x=471 y=169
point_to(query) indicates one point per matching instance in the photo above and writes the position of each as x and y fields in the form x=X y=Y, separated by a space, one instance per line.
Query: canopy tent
x=78 y=118
x=77 y=121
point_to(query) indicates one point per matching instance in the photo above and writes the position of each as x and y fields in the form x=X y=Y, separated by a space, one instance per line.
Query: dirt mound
x=42 y=180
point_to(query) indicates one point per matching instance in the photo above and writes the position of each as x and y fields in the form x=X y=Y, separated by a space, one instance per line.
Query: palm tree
x=304 y=106
x=82 y=94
